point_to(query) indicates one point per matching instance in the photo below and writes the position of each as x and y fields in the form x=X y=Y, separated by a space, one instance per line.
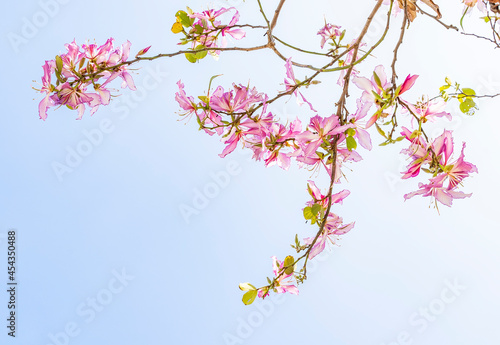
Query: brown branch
x=436 y=18
x=396 y=49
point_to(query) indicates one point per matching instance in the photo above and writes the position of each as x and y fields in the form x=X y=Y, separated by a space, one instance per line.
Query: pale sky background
x=117 y=212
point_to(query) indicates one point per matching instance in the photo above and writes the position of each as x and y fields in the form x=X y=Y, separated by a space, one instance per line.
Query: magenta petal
x=408 y=83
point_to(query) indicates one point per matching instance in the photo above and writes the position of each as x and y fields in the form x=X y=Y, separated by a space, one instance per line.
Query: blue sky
x=106 y=257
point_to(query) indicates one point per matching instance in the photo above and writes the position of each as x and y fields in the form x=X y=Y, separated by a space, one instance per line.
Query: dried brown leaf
x=411 y=8
x=435 y=7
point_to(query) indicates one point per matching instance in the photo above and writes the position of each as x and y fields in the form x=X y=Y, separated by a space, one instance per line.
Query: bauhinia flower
x=282 y=282
x=81 y=68
x=334 y=227
x=329 y=32
x=438 y=157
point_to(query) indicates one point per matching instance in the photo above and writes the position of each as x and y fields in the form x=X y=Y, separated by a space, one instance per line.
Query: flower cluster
x=203 y=30
x=240 y=115
x=81 y=68
x=447 y=175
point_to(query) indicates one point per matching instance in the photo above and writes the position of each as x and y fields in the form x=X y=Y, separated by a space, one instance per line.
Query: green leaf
x=198 y=29
x=184 y=18
x=308 y=214
x=350 y=132
x=59 y=63
x=351 y=143
x=468 y=106
x=468 y=92
x=315 y=209
x=444 y=87
x=247 y=287
x=249 y=297
x=380 y=130
x=204 y=99
x=377 y=80
x=191 y=57
x=201 y=54
x=289 y=264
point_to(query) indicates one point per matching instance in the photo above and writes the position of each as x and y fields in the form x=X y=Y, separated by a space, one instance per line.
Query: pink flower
x=210 y=29
x=48 y=69
x=327 y=32
x=185 y=102
x=453 y=172
x=407 y=84
x=283 y=283
x=233 y=137
x=237 y=34
x=436 y=190
x=321 y=199
x=429 y=110
x=237 y=100
x=320 y=129
x=73 y=97
x=334 y=227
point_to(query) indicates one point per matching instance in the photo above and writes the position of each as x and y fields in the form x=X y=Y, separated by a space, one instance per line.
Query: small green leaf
x=198 y=29
x=468 y=92
x=201 y=54
x=444 y=87
x=468 y=106
x=380 y=130
x=308 y=213
x=59 y=63
x=315 y=209
x=351 y=143
x=184 y=18
x=342 y=35
x=247 y=287
x=191 y=57
x=249 y=297
x=350 y=132
x=204 y=99
x=377 y=80
x=289 y=265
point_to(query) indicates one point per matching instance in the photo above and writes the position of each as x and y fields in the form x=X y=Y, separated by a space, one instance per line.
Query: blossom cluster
x=447 y=175
x=240 y=115
x=203 y=30
x=435 y=156
x=83 y=67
